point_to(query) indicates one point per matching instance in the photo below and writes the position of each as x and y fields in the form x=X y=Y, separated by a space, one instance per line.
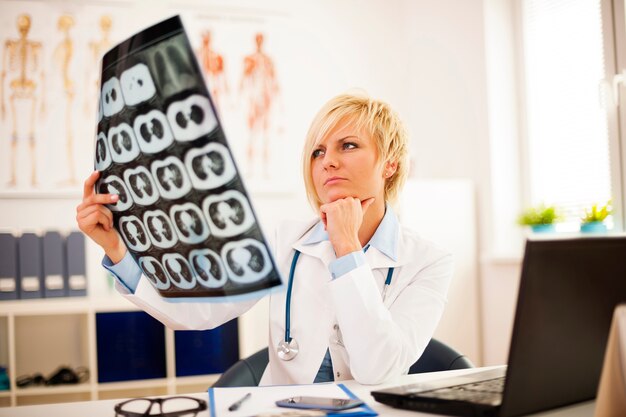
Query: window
x=568 y=158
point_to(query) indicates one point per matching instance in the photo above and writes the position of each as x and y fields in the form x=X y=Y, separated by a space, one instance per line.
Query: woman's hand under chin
x=342 y=219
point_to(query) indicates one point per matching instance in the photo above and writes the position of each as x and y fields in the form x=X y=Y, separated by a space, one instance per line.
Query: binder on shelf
x=53 y=266
x=208 y=351
x=8 y=266
x=76 y=266
x=30 y=274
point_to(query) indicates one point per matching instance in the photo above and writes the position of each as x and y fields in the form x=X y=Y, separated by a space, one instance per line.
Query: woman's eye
x=349 y=145
x=317 y=152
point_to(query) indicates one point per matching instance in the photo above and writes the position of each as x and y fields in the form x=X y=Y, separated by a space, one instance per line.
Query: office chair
x=436 y=357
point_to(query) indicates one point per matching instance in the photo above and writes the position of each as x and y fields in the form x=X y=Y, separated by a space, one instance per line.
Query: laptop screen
x=568 y=291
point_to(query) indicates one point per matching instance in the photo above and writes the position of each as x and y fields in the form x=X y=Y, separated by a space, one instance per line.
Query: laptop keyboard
x=487 y=392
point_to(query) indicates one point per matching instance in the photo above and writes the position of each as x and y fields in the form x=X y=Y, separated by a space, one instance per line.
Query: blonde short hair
x=379 y=120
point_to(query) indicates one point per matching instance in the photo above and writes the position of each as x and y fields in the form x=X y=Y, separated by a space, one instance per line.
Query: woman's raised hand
x=96 y=220
x=342 y=219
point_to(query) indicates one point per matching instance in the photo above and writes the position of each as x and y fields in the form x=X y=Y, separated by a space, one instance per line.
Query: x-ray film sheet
x=183 y=211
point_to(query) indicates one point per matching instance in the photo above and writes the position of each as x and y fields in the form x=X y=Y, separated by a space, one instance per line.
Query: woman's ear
x=390 y=168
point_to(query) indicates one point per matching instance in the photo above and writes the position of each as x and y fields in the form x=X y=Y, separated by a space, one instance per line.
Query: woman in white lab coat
x=365 y=295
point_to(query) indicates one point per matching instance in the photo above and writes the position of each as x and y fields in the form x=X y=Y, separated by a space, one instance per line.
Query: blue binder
x=208 y=351
x=75 y=263
x=53 y=266
x=8 y=266
x=30 y=277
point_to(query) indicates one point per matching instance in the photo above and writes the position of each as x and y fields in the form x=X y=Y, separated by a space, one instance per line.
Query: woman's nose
x=330 y=160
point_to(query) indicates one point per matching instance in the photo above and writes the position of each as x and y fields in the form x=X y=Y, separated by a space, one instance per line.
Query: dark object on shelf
x=8 y=267
x=29 y=380
x=61 y=376
x=208 y=351
x=53 y=266
x=30 y=278
x=130 y=346
x=75 y=262
x=65 y=375
x=168 y=407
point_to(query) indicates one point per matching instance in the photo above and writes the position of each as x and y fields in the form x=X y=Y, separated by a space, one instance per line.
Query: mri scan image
x=112 y=101
x=246 y=260
x=137 y=85
x=141 y=185
x=122 y=143
x=183 y=211
x=171 y=177
x=155 y=272
x=179 y=270
x=103 y=156
x=160 y=229
x=134 y=233
x=208 y=268
x=189 y=223
x=114 y=185
x=229 y=214
x=191 y=118
x=210 y=166
x=153 y=132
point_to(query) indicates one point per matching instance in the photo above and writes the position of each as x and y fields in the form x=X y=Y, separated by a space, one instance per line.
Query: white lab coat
x=370 y=340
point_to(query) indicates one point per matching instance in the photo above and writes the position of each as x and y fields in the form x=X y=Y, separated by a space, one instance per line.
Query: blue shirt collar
x=385 y=238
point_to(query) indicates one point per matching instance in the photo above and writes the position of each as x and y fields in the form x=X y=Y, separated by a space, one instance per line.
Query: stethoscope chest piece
x=287 y=350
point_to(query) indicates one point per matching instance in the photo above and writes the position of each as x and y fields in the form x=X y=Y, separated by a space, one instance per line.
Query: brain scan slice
x=210 y=166
x=191 y=118
x=134 y=233
x=112 y=184
x=111 y=96
x=122 y=143
x=103 y=156
x=229 y=214
x=155 y=272
x=246 y=260
x=189 y=223
x=208 y=267
x=137 y=84
x=141 y=185
x=179 y=271
x=153 y=132
x=160 y=229
x=171 y=177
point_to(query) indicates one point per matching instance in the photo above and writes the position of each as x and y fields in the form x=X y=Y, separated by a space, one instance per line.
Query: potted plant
x=593 y=220
x=541 y=219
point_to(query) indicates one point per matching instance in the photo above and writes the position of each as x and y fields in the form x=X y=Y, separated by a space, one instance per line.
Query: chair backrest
x=436 y=357
x=439 y=357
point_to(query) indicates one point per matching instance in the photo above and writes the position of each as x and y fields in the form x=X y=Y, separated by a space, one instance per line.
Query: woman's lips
x=333 y=180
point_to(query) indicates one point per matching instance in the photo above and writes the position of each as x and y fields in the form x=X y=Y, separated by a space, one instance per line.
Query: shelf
x=196 y=380
x=66 y=305
x=5 y=394
x=54 y=390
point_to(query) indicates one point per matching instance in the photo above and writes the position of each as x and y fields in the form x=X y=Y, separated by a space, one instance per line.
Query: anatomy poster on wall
x=183 y=211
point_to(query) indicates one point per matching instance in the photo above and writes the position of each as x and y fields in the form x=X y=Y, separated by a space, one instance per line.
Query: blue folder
x=75 y=264
x=30 y=277
x=8 y=266
x=54 y=266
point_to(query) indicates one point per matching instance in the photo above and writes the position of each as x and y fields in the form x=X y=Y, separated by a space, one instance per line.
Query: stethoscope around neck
x=288 y=348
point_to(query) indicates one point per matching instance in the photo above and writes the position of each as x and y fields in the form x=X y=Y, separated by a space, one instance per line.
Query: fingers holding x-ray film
x=115 y=185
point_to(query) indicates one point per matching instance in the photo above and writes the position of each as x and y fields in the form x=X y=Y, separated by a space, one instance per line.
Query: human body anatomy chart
x=183 y=211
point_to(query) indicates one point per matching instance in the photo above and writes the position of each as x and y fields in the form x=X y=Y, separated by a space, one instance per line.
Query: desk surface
x=104 y=408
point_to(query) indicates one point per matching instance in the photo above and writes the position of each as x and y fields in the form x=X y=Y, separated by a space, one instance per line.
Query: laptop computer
x=568 y=291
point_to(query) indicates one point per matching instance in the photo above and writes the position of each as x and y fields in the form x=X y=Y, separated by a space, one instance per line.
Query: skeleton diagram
x=212 y=64
x=97 y=48
x=260 y=88
x=63 y=56
x=20 y=61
